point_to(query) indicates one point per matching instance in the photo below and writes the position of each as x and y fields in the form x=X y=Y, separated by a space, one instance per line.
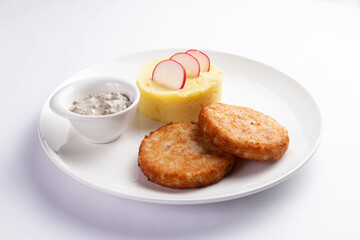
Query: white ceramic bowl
x=98 y=129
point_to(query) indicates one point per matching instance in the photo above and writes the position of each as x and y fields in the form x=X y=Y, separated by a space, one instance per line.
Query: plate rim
x=199 y=200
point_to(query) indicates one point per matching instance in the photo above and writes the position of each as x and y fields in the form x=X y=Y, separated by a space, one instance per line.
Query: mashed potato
x=183 y=105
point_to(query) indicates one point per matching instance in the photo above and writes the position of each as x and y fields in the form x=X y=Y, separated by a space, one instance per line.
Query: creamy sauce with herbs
x=101 y=104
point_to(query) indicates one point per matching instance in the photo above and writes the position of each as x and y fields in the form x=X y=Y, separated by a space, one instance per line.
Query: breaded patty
x=243 y=132
x=177 y=156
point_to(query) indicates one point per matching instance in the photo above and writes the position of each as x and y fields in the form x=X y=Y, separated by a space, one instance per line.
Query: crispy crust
x=243 y=132
x=177 y=156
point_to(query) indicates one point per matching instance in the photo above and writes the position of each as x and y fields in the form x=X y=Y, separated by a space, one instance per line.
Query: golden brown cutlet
x=243 y=132
x=177 y=156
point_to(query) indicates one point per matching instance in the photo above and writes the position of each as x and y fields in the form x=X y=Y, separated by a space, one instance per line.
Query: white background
x=42 y=43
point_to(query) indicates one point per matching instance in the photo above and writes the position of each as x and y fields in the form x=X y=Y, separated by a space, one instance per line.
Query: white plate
x=112 y=168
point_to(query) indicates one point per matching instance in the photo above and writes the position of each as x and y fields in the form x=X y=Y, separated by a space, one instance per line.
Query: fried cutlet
x=177 y=156
x=243 y=132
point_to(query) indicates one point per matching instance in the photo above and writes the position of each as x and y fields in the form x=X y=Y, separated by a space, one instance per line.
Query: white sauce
x=101 y=104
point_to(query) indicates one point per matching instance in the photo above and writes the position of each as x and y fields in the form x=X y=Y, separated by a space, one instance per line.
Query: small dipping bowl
x=102 y=128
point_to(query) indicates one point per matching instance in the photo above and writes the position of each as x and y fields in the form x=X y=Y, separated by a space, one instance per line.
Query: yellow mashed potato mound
x=183 y=105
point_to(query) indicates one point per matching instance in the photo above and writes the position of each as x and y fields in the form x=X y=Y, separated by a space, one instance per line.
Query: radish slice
x=169 y=74
x=190 y=63
x=203 y=59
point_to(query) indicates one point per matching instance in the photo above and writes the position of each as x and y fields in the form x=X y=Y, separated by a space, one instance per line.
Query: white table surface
x=44 y=42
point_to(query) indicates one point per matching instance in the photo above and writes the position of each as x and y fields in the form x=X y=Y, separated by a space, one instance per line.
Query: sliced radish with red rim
x=190 y=63
x=202 y=58
x=170 y=74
